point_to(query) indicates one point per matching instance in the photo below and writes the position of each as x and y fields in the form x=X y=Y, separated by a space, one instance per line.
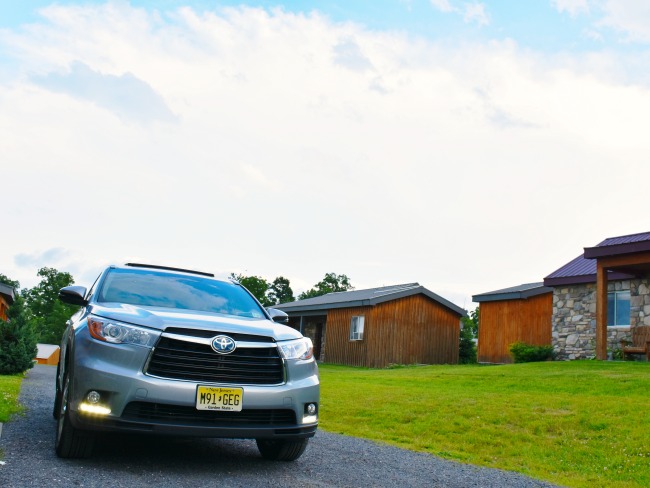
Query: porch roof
x=583 y=268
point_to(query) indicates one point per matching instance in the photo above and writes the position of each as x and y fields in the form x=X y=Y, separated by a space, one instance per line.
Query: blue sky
x=465 y=145
x=537 y=24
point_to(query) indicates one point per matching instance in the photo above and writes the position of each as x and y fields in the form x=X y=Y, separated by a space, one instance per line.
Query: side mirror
x=278 y=315
x=74 y=295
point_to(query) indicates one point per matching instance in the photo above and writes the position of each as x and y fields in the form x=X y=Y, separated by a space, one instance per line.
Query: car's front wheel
x=70 y=442
x=282 y=449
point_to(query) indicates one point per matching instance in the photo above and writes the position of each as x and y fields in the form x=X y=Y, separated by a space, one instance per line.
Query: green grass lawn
x=577 y=423
x=9 y=388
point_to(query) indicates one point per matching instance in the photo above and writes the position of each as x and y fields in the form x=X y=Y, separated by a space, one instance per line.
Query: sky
x=465 y=145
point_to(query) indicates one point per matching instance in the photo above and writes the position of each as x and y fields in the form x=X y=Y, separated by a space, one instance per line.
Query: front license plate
x=217 y=398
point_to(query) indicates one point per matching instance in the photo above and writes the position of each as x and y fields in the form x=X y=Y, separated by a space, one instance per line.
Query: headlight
x=297 y=349
x=119 y=333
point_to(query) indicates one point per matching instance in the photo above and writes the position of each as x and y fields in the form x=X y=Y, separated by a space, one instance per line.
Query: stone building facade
x=574 y=317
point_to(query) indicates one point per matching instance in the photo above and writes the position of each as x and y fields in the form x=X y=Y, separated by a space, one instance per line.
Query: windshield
x=153 y=288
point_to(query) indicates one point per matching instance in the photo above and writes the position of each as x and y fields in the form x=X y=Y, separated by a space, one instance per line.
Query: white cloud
x=572 y=7
x=125 y=95
x=475 y=12
x=442 y=5
x=50 y=256
x=631 y=17
x=472 y=12
x=444 y=165
x=348 y=55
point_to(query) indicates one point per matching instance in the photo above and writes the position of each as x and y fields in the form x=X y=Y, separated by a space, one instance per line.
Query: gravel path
x=127 y=461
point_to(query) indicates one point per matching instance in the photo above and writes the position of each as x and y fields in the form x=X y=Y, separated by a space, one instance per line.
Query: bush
x=527 y=353
x=17 y=341
x=467 y=348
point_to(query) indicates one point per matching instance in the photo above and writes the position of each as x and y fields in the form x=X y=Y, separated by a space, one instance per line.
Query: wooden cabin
x=48 y=354
x=6 y=300
x=518 y=314
x=376 y=327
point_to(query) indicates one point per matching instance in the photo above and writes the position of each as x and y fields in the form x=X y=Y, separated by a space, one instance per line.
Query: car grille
x=175 y=414
x=194 y=361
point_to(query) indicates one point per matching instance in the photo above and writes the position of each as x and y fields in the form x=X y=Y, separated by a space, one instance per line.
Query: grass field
x=9 y=388
x=578 y=423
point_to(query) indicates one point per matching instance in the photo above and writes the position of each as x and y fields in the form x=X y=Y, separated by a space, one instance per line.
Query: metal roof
x=8 y=292
x=583 y=268
x=612 y=241
x=44 y=351
x=363 y=298
x=513 y=293
x=613 y=246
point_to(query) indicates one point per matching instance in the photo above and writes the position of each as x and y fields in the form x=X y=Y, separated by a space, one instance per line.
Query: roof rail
x=168 y=268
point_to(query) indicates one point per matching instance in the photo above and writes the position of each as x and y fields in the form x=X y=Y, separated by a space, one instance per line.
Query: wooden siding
x=340 y=349
x=4 y=306
x=411 y=330
x=505 y=322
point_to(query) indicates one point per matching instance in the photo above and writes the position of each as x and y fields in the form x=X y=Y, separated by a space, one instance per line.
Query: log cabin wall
x=504 y=322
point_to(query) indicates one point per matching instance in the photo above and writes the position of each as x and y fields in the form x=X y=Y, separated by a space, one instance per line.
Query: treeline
x=279 y=290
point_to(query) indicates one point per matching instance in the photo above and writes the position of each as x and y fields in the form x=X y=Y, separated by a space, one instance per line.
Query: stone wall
x=574 y=317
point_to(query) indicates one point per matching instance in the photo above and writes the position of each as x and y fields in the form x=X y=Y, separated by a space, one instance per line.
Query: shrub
x=466 y=348
x=17 y=341
x=527 y=353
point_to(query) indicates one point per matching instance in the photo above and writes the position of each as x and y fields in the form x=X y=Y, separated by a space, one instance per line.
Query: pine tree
x=17 y=340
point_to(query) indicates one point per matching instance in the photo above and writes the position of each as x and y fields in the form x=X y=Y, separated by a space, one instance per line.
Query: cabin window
x=618 y=308
x=356 y=328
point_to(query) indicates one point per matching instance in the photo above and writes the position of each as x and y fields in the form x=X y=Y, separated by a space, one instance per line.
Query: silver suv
x=161 y=350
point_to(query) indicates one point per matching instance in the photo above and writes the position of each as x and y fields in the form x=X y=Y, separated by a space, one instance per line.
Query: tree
x=280 y=291
x=259 y=287
x=330 y=284
x=468 y=331
x=46 y=312
x=17 y=340
x=9 y=282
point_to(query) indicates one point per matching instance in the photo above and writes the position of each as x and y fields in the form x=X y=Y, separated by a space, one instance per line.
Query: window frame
x=614 y=313
x=357 y=328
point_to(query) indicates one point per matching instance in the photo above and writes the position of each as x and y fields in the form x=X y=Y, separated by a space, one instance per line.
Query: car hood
x=161 y=318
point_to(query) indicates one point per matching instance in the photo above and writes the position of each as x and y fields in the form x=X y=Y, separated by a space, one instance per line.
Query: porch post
x=301 y=324
x=601 y=312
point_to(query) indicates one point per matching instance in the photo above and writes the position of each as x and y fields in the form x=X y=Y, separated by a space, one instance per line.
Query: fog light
x=93 y=397
x=93 y=409
x=311 y=414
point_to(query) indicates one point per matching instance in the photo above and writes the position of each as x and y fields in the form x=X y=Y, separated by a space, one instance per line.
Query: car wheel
x=70 y=442
x=57 y=395
x=282 y=449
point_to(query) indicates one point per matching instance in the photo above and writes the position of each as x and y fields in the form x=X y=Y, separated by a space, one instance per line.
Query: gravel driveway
x=124 y=461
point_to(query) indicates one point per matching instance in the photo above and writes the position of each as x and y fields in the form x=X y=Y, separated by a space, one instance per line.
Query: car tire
x=70 y=442
x=282 y=449
x=57 y=395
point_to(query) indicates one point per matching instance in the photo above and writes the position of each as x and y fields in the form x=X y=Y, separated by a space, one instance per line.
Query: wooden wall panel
x=411 y=330
x=505 y=322
x=339 y=348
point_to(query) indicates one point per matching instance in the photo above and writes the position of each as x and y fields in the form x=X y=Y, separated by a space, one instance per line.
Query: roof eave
x=616 y=249
x=519 y=295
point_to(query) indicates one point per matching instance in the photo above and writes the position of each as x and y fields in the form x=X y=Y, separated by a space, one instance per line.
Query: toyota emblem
x=223 y=344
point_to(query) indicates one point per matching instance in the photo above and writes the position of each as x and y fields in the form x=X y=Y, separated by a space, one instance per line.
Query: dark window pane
x=623 y=308
x=611 y=309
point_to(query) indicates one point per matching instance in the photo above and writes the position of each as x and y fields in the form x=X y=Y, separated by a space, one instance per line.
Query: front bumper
x=147 y=404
